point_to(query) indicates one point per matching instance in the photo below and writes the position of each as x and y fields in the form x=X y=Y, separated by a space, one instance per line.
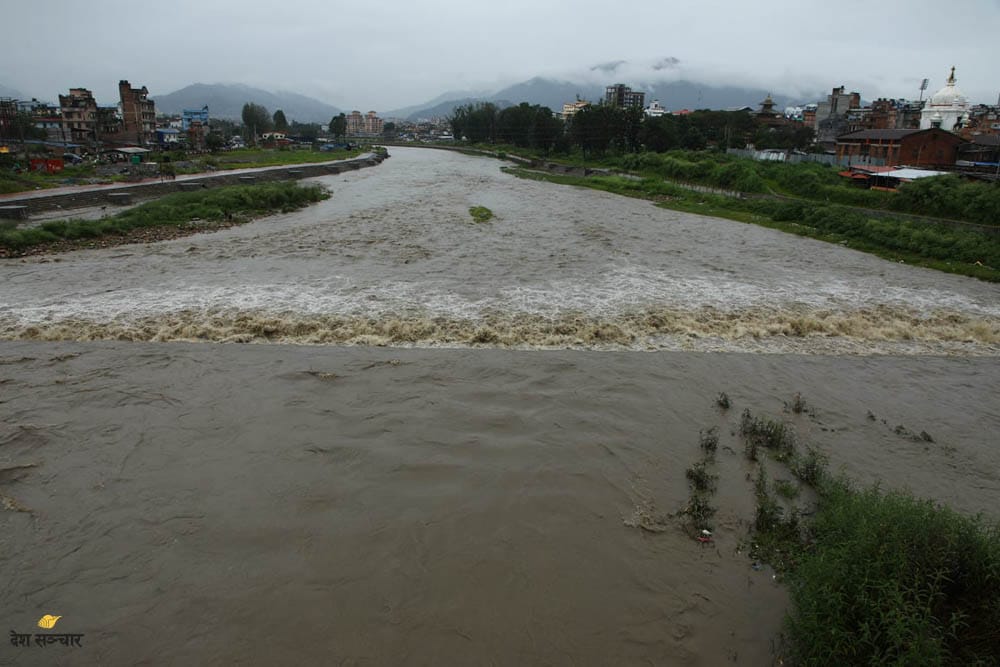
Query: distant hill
x=10 y=92
x=444 y=109
x=455 y=96
x=227 y=100
x=552 y=93
x=549 y=92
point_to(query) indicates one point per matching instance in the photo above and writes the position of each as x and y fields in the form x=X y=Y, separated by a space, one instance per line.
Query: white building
x=947 y=109
x=655 y=110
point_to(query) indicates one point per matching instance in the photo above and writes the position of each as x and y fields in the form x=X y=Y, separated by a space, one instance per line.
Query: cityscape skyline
x=394 y=55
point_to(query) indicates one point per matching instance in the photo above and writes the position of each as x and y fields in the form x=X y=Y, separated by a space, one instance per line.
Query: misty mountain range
x=227 y=100
x=674 y=95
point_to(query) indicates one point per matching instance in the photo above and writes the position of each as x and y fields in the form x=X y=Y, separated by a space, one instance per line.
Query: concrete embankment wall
x=138 y=191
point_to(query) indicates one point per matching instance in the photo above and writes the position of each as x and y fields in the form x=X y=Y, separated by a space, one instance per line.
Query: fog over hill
x=10 y=92
x=553 y=93
x=227 y=100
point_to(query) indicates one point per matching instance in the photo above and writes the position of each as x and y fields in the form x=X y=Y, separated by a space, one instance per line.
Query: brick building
x=138 y=114
x=932 y=148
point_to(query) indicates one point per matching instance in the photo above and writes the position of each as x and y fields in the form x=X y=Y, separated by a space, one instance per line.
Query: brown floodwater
x=466 y=494
x=202 y=504
x=395 y=258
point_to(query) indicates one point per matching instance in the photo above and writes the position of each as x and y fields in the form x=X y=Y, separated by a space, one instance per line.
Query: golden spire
x=951 y=79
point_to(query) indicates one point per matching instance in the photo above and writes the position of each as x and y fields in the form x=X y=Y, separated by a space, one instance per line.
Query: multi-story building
x=47 y=117
x=194 y=124
x=837 y=103
x=570 y=108
x=983 y=121
x=138 y=114
x=830 y=120
x=189 y=116
x=367 y=125
x=621 y=96
x=373 y=124
x=354 y=123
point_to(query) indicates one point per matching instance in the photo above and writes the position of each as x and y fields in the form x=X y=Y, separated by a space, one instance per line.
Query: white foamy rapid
x=394 y=258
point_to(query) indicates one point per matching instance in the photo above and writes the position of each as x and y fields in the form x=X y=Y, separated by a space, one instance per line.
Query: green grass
x=177 y=210
x=481 y=214
x=878 y=577
x=891 y=579
x=262 y=157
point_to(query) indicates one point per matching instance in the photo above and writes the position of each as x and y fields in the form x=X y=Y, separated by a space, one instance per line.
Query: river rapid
x=409 y=468
x=395 y=258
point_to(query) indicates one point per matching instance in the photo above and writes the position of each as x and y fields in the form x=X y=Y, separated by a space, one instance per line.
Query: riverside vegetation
x=179 y=214
x=876 y=576
x=809 y=199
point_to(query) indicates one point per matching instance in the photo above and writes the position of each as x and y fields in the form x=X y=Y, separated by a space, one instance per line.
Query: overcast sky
x=385 y=54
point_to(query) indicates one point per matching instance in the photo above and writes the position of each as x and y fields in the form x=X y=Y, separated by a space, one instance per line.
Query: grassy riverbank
x=170 y=162
x=170 y=216
x=248 y=158
x=960 y=250
x=949 y=197
x=876 y=576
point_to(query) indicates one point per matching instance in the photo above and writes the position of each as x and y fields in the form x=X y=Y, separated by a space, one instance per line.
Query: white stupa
x=947 y=109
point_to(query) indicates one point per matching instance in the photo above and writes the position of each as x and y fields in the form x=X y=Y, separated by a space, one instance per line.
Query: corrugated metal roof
x=878 y=134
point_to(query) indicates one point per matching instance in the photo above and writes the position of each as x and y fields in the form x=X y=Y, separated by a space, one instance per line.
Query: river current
x=395 y=258
x=325 y=496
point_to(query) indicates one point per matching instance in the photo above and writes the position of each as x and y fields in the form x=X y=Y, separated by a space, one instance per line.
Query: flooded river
x=298 y=501
x=394 y=257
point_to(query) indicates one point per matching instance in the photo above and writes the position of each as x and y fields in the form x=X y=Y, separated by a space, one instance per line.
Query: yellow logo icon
x=48 y=621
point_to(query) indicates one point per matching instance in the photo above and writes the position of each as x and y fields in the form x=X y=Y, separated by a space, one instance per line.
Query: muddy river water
x=410 y=467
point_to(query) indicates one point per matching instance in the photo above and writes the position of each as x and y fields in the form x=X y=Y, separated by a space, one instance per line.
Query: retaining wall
x=37 y=203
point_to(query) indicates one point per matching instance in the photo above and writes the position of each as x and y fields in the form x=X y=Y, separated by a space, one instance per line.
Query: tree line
x=601 y=129
x=257 y=120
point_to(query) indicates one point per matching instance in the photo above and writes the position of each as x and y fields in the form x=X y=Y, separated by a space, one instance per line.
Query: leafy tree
x=338 y=125
x=304 y=131
x=529 y=126
x=214 y=142
x=389 y=129
x=223 y=127
x=280 y=122
x=598 y=128
x=475 y=122
x=256 y=121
